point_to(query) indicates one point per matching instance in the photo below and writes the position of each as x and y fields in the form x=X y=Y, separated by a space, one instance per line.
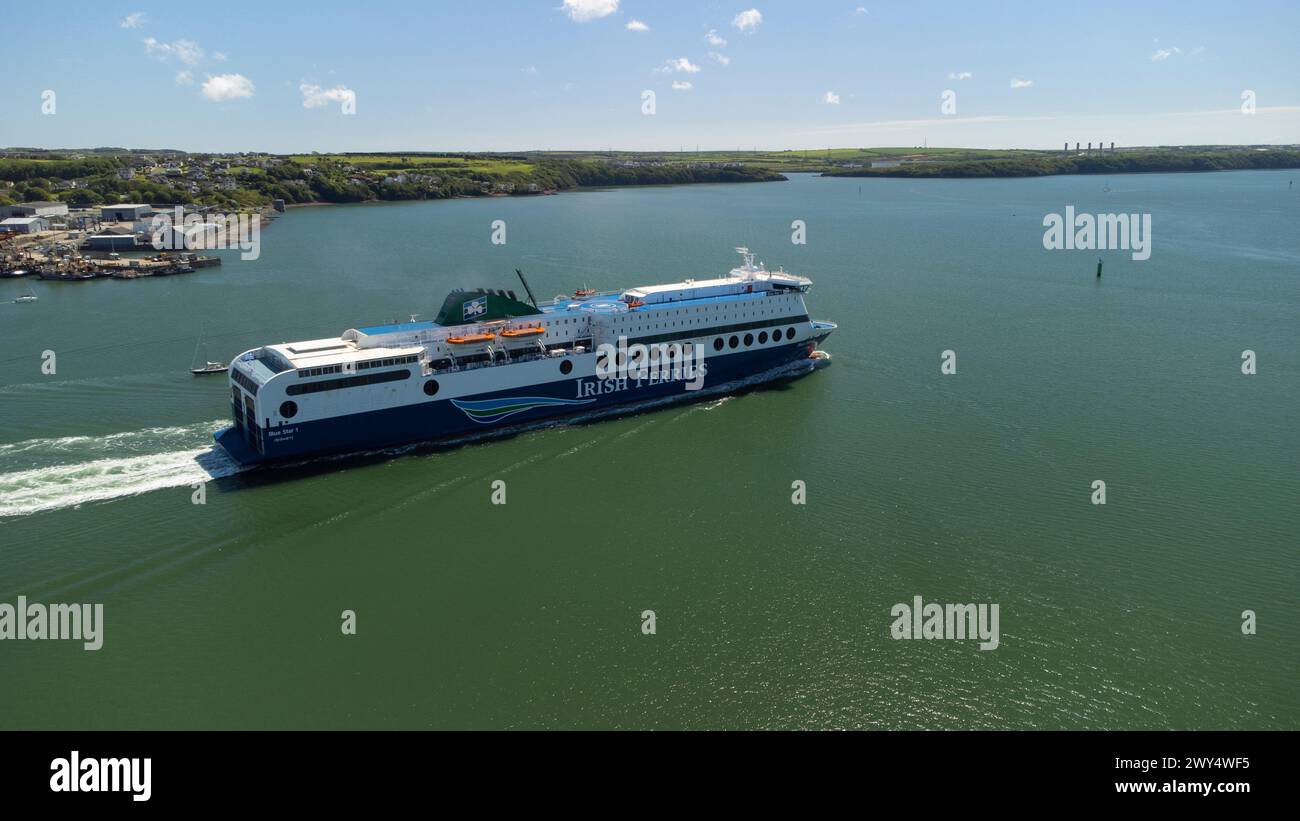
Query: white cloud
x=187 y=51
x=133 y=20
x=227 y=87
x=1165 y=53
x=313 y=96
x=680 y=64
x=219 y=56
x=681 y=85
x=637 y=25
x=529 y=69
x=860 y=10
x=748 y=20
x=713 y=39
x=1016 y=82
x=721 y=58
x=831 y=98
x=184 y=78
x=959 y=75
x=581 y=11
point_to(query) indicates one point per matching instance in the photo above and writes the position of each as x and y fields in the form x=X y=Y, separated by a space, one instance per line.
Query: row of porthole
x=734 y=341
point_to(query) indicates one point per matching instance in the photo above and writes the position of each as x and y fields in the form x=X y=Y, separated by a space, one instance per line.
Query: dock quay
x=75 y=267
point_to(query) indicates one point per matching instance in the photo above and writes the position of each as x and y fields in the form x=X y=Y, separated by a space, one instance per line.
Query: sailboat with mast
x=209 y=367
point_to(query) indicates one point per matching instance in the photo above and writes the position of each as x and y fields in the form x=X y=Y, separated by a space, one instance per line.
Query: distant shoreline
x=879 y=173
x=259 y=181
x=1091 y=164
x=576 y=188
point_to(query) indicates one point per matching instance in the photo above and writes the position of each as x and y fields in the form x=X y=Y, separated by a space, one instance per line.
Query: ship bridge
x=320 y=357
x=747 y=278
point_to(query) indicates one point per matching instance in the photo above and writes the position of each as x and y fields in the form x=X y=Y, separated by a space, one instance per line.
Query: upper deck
x=567 y=320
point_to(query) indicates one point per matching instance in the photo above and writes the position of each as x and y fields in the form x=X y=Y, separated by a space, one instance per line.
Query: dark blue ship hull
x=440 y=420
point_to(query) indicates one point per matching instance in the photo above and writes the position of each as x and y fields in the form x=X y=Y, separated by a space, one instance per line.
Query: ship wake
x=48 y=474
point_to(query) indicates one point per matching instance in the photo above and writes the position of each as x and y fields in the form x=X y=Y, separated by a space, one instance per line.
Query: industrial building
x=111 y=240
x=24 y=225
x=34 y=209
x=124 y=212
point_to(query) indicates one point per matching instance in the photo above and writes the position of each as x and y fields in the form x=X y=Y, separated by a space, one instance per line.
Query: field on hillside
x=479 y=163
x=795 y=160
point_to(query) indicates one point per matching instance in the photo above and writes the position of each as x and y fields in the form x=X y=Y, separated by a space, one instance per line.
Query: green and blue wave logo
x=487 y=411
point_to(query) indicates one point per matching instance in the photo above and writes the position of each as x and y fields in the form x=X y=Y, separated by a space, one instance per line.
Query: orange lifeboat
x=584 y=292
x=469 y=339
x=636 y=303
x=523 y=333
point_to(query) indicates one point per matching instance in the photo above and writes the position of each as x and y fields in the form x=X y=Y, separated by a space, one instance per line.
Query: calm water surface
x=966 y=488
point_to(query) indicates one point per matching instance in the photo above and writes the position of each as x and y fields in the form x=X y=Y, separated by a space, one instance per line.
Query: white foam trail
x=81 y=469
x=77 y=448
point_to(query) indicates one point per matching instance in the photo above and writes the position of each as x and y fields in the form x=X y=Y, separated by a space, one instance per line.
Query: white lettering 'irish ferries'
x=648 y=365
x=77 y=774
x=588 y=388
x=77 y=622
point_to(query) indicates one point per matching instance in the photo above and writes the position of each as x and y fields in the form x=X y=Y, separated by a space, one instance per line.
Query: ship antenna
x=531 y=298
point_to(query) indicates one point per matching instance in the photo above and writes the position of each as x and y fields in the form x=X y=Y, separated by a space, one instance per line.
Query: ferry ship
x=491 y=361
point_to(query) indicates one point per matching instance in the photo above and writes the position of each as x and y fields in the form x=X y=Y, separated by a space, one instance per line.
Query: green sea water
x=972 y=487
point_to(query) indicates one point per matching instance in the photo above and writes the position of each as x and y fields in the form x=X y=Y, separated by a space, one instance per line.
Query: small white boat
x=211 y=367
x=27 y=297
x=208 y=367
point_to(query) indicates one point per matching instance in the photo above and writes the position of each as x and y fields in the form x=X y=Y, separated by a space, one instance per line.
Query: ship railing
x=511 y=358
x=563 y=298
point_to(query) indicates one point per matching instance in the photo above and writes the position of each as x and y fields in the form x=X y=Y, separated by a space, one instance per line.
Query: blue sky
x=552 y=74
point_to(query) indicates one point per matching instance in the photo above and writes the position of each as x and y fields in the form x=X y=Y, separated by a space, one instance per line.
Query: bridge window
x=347 y=382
